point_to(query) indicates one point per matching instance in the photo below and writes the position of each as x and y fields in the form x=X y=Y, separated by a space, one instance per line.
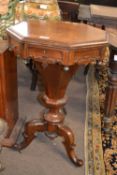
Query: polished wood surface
x=111 y=94
x=37 y=39
x=8 y=86
x=55 y=33
x=59 y=48
x=112 y=35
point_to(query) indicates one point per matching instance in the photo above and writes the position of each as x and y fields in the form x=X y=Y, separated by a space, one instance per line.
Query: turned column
x=56 y=78
x=111 y=93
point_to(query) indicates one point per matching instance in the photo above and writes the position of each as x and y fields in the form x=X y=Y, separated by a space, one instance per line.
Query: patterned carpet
x=109 y=142
x=93 y=142
x=101 y=151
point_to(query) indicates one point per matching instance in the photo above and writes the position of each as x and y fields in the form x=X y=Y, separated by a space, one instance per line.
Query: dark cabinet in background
x=104 y=2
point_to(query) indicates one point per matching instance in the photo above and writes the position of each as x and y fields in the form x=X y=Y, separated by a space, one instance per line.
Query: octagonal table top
x=59 y=34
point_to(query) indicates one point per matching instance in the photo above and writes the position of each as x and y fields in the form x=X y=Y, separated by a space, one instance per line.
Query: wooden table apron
x=58 y=48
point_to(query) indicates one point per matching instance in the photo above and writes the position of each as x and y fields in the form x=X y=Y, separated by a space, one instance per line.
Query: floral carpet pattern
x=100 y=150
x=110 y=141
x=93 y=142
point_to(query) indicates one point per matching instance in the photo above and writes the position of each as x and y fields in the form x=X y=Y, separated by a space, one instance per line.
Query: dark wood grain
x=69 y=10
x=111 y=93
x=8 y=86
x=58 y=48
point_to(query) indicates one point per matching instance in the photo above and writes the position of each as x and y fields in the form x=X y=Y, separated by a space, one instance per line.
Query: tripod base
x=58 y=129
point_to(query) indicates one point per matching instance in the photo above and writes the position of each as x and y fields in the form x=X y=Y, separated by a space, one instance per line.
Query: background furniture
x=8 y=88
x=69 y=10
x=44 y=10
x=99 y=16
x=111 y=94
x=105 y=18
x=103 y=2
x=8 y=96
x=57 y=59
x=7 y=16
x=8 y=79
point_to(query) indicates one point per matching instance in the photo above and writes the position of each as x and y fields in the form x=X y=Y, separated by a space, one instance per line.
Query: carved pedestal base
x=55 y=78
x=56 y=130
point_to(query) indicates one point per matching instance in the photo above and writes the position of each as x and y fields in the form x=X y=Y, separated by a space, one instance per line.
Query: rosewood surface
x=59 y=48
x=8 y=89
